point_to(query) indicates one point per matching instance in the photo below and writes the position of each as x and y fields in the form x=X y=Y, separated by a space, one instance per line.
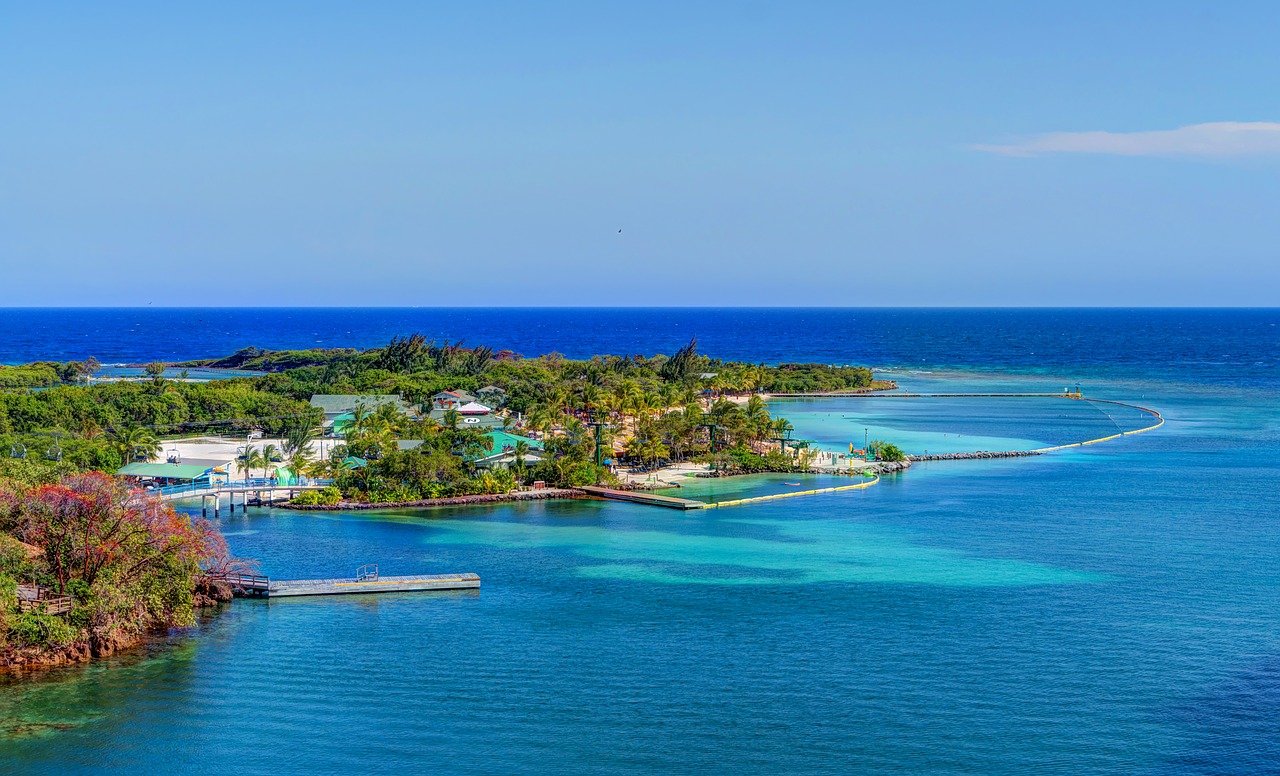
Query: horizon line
x=637 y=307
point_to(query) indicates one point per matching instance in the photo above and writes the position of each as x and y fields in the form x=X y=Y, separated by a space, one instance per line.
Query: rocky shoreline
x=98 y=642
x=880 y=467
x=878 y=386
x=974 y=456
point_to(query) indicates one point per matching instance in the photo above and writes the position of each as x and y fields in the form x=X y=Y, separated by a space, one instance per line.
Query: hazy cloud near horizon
x=1220 y=138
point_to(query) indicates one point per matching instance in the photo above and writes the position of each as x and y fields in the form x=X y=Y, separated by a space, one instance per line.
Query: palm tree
x=269 y=455
x=258 y=461
x=389 y=416
x=756 y=410
x=451 y=418
x=591 y=395
x=781 y=427
x=297 y=445
x=319 y=469
x=669 y=393
x=575 y=429
x=520 y=450
x=653 y=450
x=247 y=461
x=757 y=417
x=133 y=441
x=359 y=424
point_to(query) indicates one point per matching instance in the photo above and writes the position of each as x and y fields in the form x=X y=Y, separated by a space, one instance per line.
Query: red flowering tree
x=130 y=559
x=92 y=523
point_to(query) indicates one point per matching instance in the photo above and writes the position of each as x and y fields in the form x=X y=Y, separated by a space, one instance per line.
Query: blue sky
x=752 y=154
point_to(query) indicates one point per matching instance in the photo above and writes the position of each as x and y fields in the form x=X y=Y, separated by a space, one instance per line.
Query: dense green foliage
x=326 y=497
x=43 y=374
x=741 y=461
x=256 y=359
x=37 y=375
x=643 y=409
x=885 y=451
x=103 y=426
x=129 y=562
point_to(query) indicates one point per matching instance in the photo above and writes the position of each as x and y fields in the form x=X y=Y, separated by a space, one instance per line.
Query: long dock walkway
x=296 y=587
x=366 y=580
x=792 y=494
x=637 y=497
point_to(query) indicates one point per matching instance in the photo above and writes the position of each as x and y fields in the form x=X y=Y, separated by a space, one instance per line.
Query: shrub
x=34 y=629
x=886 y=451
x=327 y=496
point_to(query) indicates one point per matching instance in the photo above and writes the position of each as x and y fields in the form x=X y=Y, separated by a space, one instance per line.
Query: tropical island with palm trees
x=550 y=420
x=93 y=557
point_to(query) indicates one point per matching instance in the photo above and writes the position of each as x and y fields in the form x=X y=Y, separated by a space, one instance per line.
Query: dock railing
x=37 y=598
x=257 y=483
x=250 y=583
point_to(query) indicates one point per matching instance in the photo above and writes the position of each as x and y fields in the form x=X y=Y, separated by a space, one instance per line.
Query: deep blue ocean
x=1231 y=345
x=1113 y=609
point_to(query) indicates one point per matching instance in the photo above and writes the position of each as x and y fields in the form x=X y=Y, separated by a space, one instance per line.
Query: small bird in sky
x=619 y=231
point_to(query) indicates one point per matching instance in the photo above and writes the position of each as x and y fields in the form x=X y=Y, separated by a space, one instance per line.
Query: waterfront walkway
x=791 y=494
x=684 y=503
x=366 y=580
x=638 y=497
x=255 y=491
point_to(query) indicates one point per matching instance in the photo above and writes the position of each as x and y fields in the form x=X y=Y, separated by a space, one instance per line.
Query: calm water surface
x=1109 y=610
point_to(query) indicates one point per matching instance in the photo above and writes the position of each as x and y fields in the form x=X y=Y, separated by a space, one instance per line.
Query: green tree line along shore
x=129 y=563
x=655 y=409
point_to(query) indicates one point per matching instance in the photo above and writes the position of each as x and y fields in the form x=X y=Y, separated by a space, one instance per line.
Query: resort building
x=471 y=412
x=339 y=409
x=470 y=415
x=191 y=472
x=503 y=454
x=451 y=400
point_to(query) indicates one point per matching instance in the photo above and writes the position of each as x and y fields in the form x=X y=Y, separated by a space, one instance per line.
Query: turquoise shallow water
x=1114 y=609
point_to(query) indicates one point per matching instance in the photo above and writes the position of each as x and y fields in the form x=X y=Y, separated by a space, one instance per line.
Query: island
x=94 y=556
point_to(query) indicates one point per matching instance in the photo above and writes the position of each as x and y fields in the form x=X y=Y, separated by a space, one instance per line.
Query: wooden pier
x=251 y=495
x=366 y=580
x=637 y=497
x=295 y=587
x=43 y=600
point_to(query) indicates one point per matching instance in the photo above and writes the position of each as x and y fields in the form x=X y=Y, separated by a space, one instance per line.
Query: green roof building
x=338 y=407
x=503 y=453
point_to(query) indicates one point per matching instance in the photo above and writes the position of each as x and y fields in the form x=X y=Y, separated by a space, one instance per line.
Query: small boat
x=792 y=484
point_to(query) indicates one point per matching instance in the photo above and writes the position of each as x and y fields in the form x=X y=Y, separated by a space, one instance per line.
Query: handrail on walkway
x=235 y=485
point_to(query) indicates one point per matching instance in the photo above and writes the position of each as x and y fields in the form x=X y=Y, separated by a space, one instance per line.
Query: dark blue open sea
x=1109 y=610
